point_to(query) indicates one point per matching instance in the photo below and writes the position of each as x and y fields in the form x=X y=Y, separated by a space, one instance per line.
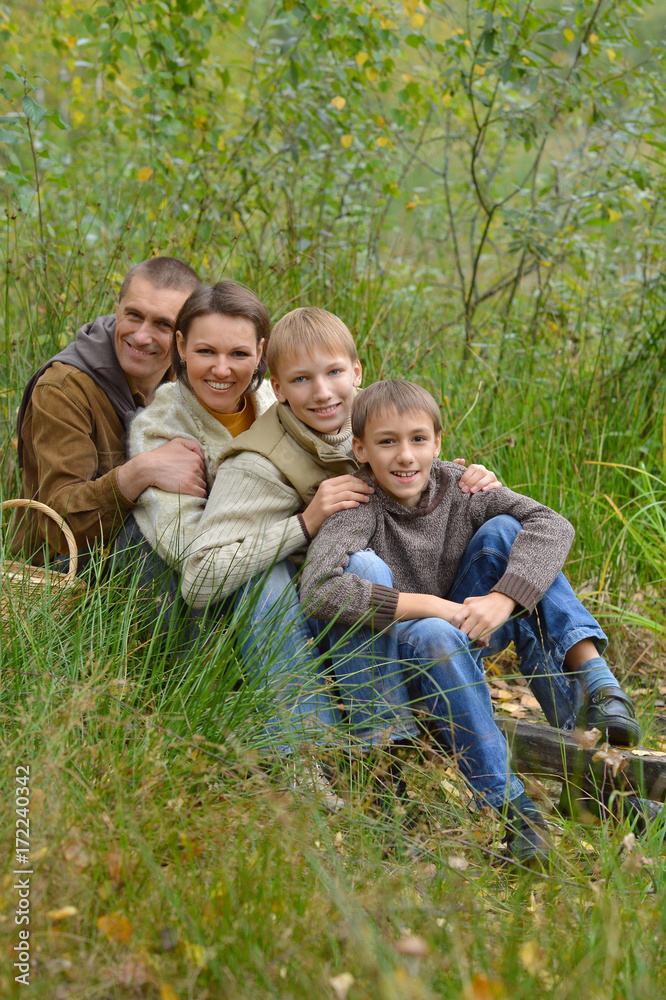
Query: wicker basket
x=21 y=579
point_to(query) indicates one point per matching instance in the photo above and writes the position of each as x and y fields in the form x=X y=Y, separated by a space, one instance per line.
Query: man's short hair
x=226 y=298
x=163 y=272
x=308 y=331
x=392 y=394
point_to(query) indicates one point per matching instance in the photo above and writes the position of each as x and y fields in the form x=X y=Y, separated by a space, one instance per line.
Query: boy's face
x=320 y=392
x=400 y=450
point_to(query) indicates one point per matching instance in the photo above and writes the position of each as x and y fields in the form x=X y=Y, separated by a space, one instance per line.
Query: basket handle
x=70 y=575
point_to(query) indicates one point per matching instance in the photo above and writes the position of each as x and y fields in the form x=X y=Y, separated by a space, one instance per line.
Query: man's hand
x=175 y=467
x=478 y=617
x=477 y=478
x=340 y=493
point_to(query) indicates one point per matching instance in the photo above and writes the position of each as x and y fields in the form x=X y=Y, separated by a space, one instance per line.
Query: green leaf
x=34 y=111
x=11 y=138
x=55 y=118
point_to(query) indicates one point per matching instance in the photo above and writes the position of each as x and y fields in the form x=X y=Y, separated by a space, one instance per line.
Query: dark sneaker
x=611 y=711
x=527 y=839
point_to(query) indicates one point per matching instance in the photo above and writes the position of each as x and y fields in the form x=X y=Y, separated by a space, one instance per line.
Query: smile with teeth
x=140 y=351
x=219 y=385
x=406 y=475
x=324 y=411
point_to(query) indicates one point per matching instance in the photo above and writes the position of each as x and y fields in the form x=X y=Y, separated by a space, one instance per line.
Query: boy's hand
x=339 y=493
x=478 y=617
x=477 y=478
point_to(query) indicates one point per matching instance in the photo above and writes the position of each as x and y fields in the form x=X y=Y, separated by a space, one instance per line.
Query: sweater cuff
x=525 y=594
x=383 y=605
x=301 y=521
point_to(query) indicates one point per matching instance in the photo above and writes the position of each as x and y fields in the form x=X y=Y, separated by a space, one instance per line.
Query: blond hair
x=308 y=331
x=392 y=394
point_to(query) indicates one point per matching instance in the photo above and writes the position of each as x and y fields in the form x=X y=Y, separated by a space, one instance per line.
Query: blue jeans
x=541 y=638
x=368 y=672
x=274 y=637
x=445 y=673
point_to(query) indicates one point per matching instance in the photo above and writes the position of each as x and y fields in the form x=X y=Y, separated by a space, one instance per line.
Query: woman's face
x=221 y=353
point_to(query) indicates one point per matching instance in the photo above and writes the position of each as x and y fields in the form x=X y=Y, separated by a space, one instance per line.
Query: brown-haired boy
x=428 y=576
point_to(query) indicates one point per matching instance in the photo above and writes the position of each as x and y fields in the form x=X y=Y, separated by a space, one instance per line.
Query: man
x=73 y=418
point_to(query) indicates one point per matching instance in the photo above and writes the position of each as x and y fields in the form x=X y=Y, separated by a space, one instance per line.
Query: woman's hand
x=477 y=478
x=340 y=493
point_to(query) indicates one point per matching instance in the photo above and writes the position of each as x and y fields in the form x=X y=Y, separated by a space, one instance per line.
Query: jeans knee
x=499 y=533
x=369 y=566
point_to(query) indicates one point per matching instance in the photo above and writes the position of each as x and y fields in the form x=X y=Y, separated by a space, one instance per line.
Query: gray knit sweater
x=424 y=545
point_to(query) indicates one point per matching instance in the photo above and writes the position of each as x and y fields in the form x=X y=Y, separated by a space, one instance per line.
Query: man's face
x=145 y=321
x=320 y=392
x=400 y=449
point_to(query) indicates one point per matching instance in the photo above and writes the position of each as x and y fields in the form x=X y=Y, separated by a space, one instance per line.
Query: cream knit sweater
x=250 y=518
x=170 y=521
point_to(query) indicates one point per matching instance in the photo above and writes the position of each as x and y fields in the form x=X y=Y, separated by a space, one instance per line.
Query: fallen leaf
x=629 y=842
x=480 y=987
x=166 y=993
x=115 y=927
x=341 y=984
x=413 y=946
x=532 y=957
x=648 y=753
x=132 y=973
x=62 y=913
x=587 y=739
x=611 y=756
x=338 y=102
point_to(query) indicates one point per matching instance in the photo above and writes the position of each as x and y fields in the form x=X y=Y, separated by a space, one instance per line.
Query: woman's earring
x=183 y=363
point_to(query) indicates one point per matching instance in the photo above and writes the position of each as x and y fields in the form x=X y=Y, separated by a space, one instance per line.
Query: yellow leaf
x=593 y=39
x=115 y=927
x=380 y=121
x=76 y=84
x=166 y=993
x=372 y=73
x=611 y=55
x=382 y=141
x=417 y=20
x=407 y=77
x=62 y=913
x=409 y=7
x=446 y=98
x=221 y=143
x=479 y=70
x=338 y=102
x=145 y=174
x=346 y=140
x=568 y=34
x=341 y=985
x=361 y=58
x=78 y=117
x=410 y=206
x=613 y=215
x=531 y=957
x=385 y=23
x=200 y=122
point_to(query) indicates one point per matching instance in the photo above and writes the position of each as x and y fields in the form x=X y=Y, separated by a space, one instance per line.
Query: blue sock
x=595 y=674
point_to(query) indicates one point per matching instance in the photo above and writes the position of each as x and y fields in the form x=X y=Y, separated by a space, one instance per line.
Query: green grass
x=190 y=866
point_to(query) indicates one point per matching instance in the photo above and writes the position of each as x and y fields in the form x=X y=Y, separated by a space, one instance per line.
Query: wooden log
x=542 y=751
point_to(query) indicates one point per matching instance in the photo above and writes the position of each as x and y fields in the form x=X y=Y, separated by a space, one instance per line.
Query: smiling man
x=73 y=418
